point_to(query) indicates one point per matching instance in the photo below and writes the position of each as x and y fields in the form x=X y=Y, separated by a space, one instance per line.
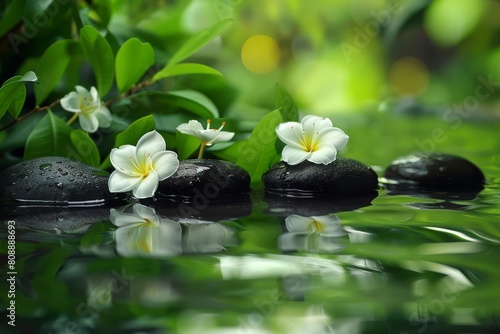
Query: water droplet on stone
x=44 y=166
x=59 y=185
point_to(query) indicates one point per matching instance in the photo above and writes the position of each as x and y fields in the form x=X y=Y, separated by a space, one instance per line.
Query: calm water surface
x=392 y=262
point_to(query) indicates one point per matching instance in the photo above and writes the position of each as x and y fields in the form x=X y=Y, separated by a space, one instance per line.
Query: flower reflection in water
x=144 y=233
x=315 y=234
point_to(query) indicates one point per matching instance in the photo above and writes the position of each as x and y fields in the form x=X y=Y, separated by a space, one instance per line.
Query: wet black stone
x=434 y=171
x=342 y=176
x=54 y=180
x=206 y=178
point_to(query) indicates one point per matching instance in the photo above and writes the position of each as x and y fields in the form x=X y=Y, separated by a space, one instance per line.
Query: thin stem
x=144 y=84
x=72 y=119
x=202 y=150
x=34 y=110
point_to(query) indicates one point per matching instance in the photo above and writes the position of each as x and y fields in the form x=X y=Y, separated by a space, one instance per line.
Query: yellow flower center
x=316 y=226
x=142 y=168
x=86 y=105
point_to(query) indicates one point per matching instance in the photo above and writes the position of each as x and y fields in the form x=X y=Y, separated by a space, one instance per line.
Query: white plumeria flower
x=314 y=234
x=141 y=168
x=144 y=233
x=313 y=139
x=87 y=107
x=206 y=136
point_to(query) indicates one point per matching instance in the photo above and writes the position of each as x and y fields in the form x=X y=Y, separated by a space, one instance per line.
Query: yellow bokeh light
x=260 y=54
x=409 y=76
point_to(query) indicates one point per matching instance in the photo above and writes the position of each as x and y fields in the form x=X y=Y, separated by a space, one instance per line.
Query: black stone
x=434 y=171
x=342 y=176
x=54 y=180
x=206 y=178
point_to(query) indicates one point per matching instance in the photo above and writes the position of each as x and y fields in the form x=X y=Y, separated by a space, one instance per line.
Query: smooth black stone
x=206 y=178
x=434 y=171
x=54 y=180
x=342 y=176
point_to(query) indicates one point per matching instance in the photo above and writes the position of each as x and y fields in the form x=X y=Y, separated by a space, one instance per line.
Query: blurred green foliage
x=335 y=58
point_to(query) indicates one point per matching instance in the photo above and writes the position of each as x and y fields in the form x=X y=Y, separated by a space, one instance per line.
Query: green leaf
x=13 y=93
x=50 y=136
x=85 y=148
x=259 y=151
x=11 y=16
x=183 y=69
x=52 y=66
x=193 y=101
x=131 y=135
x=100 y=56
x=197 y=41
x=165 y=103
x=93 y=236
x=132 y=61
x=283 y=100
x=186 y=145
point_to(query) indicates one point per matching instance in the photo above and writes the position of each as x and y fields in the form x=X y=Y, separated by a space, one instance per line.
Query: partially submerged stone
x=436 y=170
x=342 y=176
x=206 y=178
x=54 y=180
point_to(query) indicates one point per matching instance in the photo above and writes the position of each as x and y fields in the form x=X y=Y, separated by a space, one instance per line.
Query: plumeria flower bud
x=313 y=139
x=88 y=108
x=140 y=168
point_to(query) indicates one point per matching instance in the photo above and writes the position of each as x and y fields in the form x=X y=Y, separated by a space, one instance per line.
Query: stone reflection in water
x=309 y=205
x=55 y=219
x=315 y=234
x=448 y=196
x=145 y=233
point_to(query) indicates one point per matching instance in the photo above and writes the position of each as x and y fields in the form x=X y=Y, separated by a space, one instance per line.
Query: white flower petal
x=291 y=134
x=103 y=117
x=313 y=123
x=88 y=122
x=167 y=239
x=165 y=164
x=124 y=219
x=149 y=144
x=331 y=225
x=147 y=186
x=190 y=128
x=94 y=94
x=296 y=223
x=119 y=182
x=146 y=212
x=324 y=155
x=333 y=136
x=83 y=92
x=223 y=136
x=70 y=102
x=124 y=160
x=294 y=156
x=207 y=136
